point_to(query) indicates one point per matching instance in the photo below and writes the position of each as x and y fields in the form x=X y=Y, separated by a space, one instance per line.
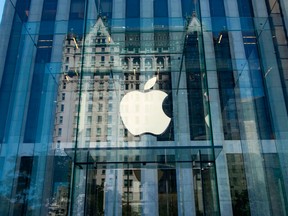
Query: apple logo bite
x=142 y=112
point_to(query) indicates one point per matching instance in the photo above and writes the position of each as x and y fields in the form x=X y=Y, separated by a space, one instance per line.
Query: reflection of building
x=64 y=68
x=100 y=83
x=101 y=57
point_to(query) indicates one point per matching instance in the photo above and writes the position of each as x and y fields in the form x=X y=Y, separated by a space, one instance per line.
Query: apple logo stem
x=141 y=112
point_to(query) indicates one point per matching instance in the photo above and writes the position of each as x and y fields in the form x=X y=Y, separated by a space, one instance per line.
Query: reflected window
x=60 y=119
x=90 y=107
x=88 y=132
x=109 y=131
x=128 y=195
x=100 y=95
x=89 y=119
x=90 y=97
x=101 y=85
x=100 y=107
x=98 y=132
x=109 y=119
x=128 y=172
x=59 y=131
x=99 y=119
x=110 y=107
x=128 y=183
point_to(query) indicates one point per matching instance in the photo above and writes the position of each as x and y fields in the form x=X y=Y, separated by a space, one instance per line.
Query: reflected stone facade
x=107 y=68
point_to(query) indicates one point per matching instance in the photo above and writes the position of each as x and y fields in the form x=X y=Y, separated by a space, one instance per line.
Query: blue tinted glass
x=160 y=13
x=106 y=8
x=132 y=8
x=49 y=9
x=160 y=8
x=76 y=16
x=133 y=14
x=10 y=73
x=22 y=9
x=43 y=56
x=217 y=11
x=187 y=8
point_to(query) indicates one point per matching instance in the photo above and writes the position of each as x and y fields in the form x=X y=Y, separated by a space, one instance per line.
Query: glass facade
x=144 y=107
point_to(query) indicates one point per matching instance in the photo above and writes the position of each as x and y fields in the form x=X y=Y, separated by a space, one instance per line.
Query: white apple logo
x=142 y=112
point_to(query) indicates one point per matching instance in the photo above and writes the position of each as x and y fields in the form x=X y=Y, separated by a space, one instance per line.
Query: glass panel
x=129 y=107
x=129 y=188
x=237 y=180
